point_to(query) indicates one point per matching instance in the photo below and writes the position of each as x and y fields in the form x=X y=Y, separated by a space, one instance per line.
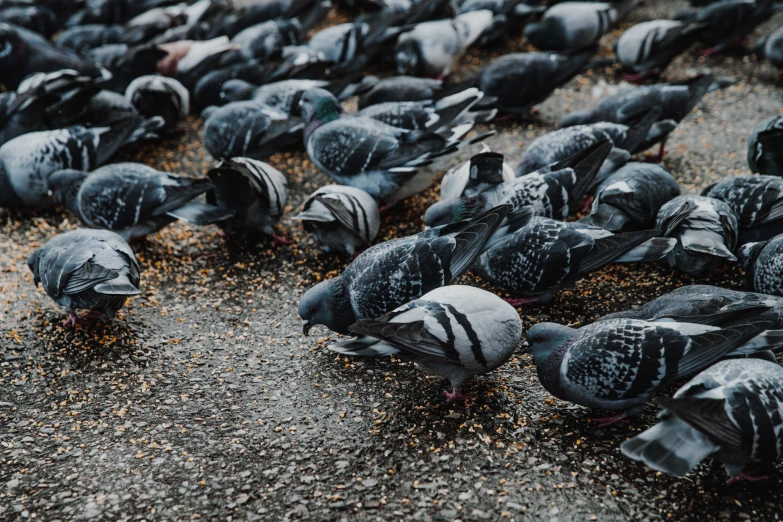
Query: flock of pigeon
x=85 y=78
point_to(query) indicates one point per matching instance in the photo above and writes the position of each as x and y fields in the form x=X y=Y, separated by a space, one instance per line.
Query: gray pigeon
x=422 y=115
x=554 y=191
x=343 y=219
x=648 y=48
x=632 y=196
x=729 y=412
x=255 y=191
x=26 y=162
x=390 y=274
x=706 y=230
x=559 y=144
x=387 y=162
x=132 y=199
x=756 y=200
x=482 y=172
x=401 y=88
x=722 y=24
x=765 y=147
x=621 y=364
x=456 y=332
x=771 y=48
x=547 y=255
x=570 y=26
x=277 y=95
x=675 y=100
x=431 y=48
x=86 y=269
x=156 y=95
x=763 y=264
x=249 y=129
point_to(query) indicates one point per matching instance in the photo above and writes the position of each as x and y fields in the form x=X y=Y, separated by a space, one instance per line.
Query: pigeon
x=510 y=16
x=771 y=48
x=482 y=172
x=556 y=145
x=648 y=48
x=248 y=14
x=547 y=255
x=208 y=89
x=254 y=190
x=387 y=162
x=190 y=60
x=756 y=200
x=26 y=162
x=571 y=26
x=763 y=264
x=431 y=48
x=37 y=18
x=266 y=40
x=392 y=273
x=86 y=269
x=675 y=100
x=126 y=63
x=422 y=116
x=765 y=147
x=343 y=219
x=45 y=101
x=706 y=230
x=23 y=53
x=729 y=412
x=521 y=80
x=724 y=23
x=631 y=197
x=132 y=199
x=249 y=129
x=621 y=364
x=155 y=95
x=456 y=332
x=401 y=88
x=552 y=192
x=278 y=95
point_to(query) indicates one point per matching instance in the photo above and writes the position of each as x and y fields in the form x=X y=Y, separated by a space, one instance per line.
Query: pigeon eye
x=537 y=340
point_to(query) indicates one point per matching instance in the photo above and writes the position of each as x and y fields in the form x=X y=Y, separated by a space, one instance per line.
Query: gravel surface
x=203 y=400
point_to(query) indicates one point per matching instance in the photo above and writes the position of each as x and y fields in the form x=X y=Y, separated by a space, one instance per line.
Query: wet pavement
x=204 y=401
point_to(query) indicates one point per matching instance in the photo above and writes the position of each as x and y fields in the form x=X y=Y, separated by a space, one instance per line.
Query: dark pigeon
x=631 y=197
x=758 y=203
x=763 y=264
x=728 y=22
x=730 y=412
x=155 y=95
x=765 y=147
x=648 y=48
x=86 y=269
x=390 y=274
x=706 y=230
x=132 y=199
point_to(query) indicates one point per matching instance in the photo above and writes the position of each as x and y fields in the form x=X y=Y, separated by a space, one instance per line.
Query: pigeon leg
x=505 y=117
x=635 y=79
x=751 y=475
x=385 y=208
x=657 y=158
x=587 y=205
x=608 y=421
x=74 y=319
x=454 y=395
x=521 y=301
x=96 y=315
x=708 y=51
x=280 y=240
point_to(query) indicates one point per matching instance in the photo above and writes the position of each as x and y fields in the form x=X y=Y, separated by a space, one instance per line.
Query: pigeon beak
x=525 y=347
x=306 y=327
x=50 y=193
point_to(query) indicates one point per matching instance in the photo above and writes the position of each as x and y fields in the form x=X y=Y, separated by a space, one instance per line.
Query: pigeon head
x=64 y=186
x=576 y=118
x=748 y=253
x=547 y=34
x=319 y=106
x=544 y=338
x=408 y=58
x=236 y=90
x=527 y=165
x=12 y=50
x=327 y=303
x=706 y=190
x=451 y=211
x=32 y=263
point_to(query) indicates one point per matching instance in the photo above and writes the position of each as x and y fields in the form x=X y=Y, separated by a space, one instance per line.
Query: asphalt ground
x=203 y=400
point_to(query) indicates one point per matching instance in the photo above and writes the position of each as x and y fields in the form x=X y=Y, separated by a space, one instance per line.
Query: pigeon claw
x=454 y=395
x=608 y=421
x=520 y=301
x=74 y=319
x=280 y=240
x=749 y=476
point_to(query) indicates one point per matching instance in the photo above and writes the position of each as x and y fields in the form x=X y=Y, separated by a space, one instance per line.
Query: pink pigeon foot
x=74 y=319
x=587 y=206
x=94 y=315
x=280 y=240
x=749 y=475
x=608 y=421
x=505 y=117
x=708 y=51
x=454 y=395
x=637 y=78
x=521 y=301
